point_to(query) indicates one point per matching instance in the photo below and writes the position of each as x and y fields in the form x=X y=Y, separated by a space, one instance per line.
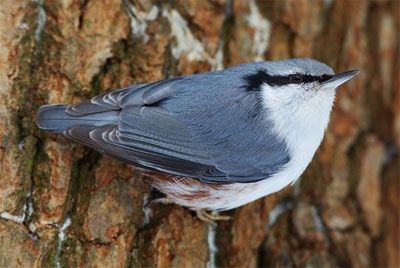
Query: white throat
x=300 y=121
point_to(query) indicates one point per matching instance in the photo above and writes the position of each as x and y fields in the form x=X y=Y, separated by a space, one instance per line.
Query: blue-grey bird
x=214 y=140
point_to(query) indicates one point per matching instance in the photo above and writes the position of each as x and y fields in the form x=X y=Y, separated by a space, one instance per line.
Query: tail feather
x=55 y=118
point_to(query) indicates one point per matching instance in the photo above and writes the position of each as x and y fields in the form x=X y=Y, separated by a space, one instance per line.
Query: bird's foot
x=211 y=217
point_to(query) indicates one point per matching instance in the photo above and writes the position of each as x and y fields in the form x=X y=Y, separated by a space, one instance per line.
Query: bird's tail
x=56 y=118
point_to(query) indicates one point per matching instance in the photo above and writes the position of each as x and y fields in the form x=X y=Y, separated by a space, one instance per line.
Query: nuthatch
x=214 y=140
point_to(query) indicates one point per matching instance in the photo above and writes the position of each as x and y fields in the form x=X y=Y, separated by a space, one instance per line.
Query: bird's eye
x=295 y=79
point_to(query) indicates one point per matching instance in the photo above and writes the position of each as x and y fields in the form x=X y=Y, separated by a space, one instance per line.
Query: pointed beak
x=339 y=79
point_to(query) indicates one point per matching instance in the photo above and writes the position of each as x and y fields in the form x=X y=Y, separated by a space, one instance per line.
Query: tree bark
x=62 y=204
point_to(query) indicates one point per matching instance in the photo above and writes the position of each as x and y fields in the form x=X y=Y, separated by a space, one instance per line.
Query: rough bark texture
x=62 y=204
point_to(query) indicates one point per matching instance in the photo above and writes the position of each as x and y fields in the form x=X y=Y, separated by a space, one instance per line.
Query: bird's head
x=299 y=91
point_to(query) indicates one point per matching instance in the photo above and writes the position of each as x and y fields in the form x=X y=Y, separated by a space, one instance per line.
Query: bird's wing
x=145 y=134
x=206 y=127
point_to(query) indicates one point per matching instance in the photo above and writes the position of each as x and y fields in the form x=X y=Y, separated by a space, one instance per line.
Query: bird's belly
x=194 y=194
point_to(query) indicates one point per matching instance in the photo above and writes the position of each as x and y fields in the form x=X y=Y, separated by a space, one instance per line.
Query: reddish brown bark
x=63 y=204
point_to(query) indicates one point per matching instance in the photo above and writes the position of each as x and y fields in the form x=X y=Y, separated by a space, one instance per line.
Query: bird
x=211 y=141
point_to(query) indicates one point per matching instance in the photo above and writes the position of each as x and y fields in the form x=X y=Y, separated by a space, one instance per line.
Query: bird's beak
x=339 y=79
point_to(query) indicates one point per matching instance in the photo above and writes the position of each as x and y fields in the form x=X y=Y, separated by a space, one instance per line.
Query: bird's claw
x=211 y=217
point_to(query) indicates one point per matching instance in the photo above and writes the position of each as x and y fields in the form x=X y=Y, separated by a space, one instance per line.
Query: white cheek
x=300 y=118
x=294 y=110
x=280 y=103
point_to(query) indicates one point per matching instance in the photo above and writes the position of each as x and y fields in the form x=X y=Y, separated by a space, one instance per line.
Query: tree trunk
x=62 y=204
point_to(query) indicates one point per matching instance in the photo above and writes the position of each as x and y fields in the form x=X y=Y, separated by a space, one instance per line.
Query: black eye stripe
x=311 y=78
x=254 y=81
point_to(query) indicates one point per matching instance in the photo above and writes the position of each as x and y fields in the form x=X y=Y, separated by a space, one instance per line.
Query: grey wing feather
x=144 y=135
x=145 y=94
x=107 y=140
